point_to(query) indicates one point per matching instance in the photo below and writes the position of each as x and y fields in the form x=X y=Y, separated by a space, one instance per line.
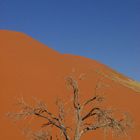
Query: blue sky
x=105 y=30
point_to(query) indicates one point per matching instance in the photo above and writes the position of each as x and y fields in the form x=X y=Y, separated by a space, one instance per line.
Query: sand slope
x=31 y=69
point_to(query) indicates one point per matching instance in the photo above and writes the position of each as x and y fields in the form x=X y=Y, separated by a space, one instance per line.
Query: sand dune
x=29 y=68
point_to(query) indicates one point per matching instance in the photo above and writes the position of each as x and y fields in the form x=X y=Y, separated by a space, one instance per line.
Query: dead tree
x=101 y=118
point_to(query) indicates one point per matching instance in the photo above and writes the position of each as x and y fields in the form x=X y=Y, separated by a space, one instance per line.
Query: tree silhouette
x=86 y=120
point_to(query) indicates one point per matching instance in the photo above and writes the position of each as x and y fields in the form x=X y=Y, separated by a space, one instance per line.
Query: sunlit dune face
x=30 y=69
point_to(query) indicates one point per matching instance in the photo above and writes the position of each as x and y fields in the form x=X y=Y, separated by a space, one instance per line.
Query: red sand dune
x=31 y=69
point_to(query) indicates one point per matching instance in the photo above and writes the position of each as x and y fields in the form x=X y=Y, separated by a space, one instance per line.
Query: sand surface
x=30 y=69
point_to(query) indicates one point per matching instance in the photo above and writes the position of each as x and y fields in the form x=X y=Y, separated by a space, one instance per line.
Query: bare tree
x=86 y=120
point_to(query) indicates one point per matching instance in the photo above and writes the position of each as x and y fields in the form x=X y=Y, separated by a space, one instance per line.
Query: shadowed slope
x=31 y=69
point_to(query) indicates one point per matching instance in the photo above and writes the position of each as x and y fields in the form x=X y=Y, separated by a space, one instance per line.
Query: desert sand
x=31 y=69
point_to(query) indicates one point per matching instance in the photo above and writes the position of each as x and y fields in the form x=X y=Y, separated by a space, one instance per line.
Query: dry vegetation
x=86 y=120
x=132 y=84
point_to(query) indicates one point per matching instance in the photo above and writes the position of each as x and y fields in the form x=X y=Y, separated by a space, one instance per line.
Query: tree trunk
x=78 y=125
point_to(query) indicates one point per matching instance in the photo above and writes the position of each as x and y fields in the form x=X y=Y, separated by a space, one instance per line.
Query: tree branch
x=90 y=113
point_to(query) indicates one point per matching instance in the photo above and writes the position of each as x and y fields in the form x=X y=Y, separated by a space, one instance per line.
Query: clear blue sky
x=105 y=30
